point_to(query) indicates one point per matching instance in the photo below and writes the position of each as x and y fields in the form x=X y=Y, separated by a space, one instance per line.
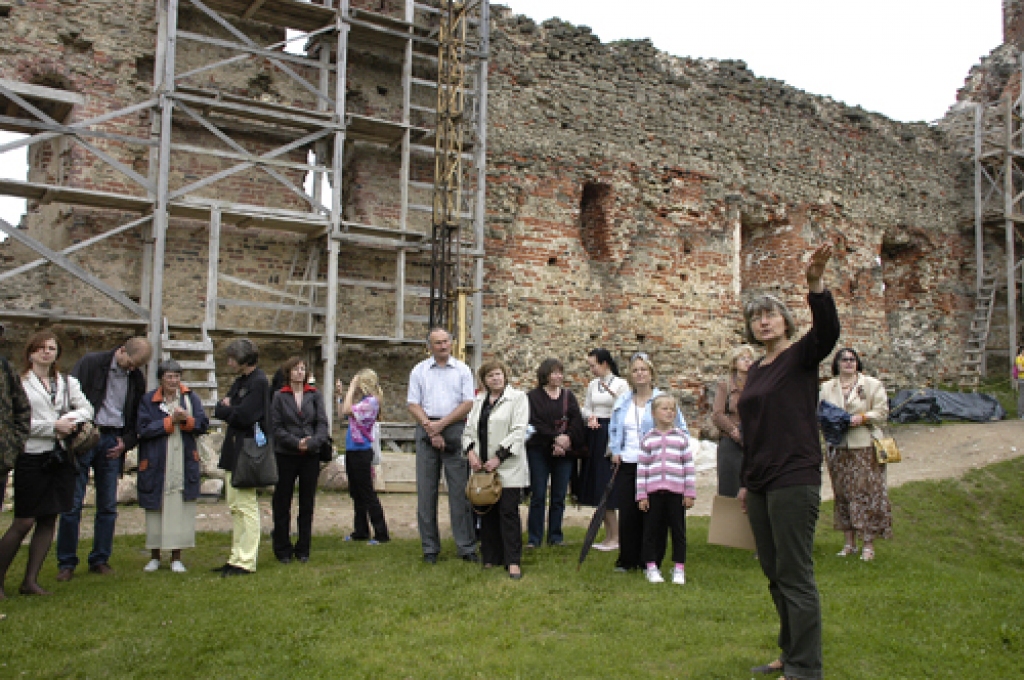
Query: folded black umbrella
x=597 y=519
x=834 y=421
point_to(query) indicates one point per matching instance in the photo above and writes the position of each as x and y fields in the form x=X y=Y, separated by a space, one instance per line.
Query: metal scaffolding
x=991 y=134
x=330 y=30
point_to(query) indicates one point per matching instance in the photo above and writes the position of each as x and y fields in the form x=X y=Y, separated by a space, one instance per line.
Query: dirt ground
x=929 y=452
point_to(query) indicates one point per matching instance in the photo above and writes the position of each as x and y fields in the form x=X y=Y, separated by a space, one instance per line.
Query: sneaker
x=177 y=567
x=373 y=541
x=151 y=566
x=679 y=577
x=653 y=575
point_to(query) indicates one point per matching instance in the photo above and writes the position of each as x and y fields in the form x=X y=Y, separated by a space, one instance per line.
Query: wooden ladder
x=974 y=354
x=205 y=386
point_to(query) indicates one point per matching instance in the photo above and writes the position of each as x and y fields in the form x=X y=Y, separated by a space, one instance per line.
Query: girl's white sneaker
x=653 y=575
x=678 y=577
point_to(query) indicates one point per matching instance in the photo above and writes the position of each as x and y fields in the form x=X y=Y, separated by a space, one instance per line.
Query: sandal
x=847 y=550
x=868 y=555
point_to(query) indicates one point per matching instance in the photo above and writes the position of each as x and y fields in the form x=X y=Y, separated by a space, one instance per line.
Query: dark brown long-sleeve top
x=778 y=407
x=545 y=414
x=724 y=414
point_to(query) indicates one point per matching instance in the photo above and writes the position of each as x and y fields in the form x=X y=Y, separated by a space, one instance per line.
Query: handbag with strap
x=85 y=434
x=256 y=464
x=886 y=450
x=483 y=488
x=563 y=428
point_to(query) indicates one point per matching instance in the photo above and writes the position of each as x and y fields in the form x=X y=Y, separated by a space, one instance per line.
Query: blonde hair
x=366 y=382
x=664 y=396
x=642 y=357
x=736 y=353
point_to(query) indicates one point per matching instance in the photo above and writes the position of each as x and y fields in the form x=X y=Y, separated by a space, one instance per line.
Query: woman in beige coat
x=496 y=430
x=858 y=480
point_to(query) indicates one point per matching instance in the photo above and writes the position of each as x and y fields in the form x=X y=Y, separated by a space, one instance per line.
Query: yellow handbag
x=886 y=450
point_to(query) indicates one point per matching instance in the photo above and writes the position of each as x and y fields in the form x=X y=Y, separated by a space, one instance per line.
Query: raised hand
x=816 y=267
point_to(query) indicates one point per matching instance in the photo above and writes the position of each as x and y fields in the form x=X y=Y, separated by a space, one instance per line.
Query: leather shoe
x=430 y=558
x=221 y=569
x=303 y=558
x=471 y=557
x=284 y=560
x=65 y=575
x=102 y=568
x=232 y=570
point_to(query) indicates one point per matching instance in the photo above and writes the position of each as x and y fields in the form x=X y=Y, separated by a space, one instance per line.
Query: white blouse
x=601 y=396
x=46 y=409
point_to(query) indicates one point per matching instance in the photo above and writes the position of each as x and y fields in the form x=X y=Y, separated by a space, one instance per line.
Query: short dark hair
x=289 y=364
x=546 y=368
x=244 y=351
x=603 y=356
x=840 y=353
x=167 y=366
x=487 y=367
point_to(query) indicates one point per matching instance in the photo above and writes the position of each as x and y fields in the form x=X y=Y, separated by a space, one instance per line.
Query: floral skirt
x=861 y=496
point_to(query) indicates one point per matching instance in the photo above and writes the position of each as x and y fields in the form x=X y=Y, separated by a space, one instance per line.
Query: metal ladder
x=206 y=387
x=973 y=366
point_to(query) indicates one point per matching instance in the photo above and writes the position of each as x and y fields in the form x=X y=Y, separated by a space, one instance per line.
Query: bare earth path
x=929 y=452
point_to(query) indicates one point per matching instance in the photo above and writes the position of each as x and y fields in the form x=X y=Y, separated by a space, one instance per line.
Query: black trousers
x=501 y=531
x=305 y=469
x=631 y=523
x=368 y=510
x=665 y=513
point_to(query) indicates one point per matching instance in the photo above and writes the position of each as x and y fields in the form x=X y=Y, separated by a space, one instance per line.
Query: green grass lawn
x=944 y=599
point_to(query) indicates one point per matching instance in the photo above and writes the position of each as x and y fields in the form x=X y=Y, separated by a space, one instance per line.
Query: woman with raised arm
x=781 y=470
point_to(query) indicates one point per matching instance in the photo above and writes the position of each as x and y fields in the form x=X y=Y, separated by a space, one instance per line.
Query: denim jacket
x=617 y=430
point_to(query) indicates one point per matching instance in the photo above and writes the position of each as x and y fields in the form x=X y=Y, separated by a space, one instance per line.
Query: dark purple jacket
x=154 y=426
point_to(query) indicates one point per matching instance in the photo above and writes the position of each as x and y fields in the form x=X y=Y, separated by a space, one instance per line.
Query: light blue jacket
x=617 y=430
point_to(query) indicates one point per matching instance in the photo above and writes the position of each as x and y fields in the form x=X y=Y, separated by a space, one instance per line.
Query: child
x=665 y=484
x=362 y=404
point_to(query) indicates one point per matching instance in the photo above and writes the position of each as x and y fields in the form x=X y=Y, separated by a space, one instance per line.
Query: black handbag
x=326 y=451
x=256 y=464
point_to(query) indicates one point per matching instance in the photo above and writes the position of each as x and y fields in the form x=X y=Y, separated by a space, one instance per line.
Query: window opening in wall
x=595 y=220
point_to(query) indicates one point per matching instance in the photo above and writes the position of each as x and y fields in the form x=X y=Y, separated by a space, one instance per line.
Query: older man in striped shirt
x=440 y=397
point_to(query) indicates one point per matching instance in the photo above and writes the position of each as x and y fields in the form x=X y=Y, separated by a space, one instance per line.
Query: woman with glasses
x=781 y=470
x=596 y=468
x=727 y=420
x=631 y=420
x=858 y=479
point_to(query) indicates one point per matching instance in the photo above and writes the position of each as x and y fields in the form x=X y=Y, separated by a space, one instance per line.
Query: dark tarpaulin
x=909 y=406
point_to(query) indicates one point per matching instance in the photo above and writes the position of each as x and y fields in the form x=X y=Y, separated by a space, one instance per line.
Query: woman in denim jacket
x=631 y=420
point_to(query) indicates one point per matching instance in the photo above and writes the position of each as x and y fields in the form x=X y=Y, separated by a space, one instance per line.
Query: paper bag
x=729 y=524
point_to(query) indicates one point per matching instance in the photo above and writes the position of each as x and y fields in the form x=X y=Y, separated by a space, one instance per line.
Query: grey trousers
x=429 y=462
x=783 y=523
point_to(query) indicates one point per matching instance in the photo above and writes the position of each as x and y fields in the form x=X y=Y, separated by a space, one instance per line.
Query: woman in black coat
x=299 y=421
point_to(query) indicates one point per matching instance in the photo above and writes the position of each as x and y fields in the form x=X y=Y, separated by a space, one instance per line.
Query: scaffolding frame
x=991 y=134
x=331 y=29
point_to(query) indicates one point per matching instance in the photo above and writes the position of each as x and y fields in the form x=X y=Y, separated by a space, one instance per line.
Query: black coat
x=92 y=372
x=249 y=398
x=290 y=425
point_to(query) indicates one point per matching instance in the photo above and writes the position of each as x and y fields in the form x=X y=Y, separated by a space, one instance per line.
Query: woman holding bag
x=299 y=421
x=170 y=419
x=495 y=430
x=44 y=474
x=858 y=480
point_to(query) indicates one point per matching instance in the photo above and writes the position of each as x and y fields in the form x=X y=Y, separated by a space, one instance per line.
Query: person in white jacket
x=496 y=430
x=44 y=474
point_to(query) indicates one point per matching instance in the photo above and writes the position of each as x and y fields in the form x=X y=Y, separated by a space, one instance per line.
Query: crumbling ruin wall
x=636 y=199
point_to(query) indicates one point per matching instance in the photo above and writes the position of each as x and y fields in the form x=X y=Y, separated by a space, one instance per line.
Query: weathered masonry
x=634 y=199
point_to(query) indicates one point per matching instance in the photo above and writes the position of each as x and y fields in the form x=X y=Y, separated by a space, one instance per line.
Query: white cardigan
x=506 y=427
x=45 y=412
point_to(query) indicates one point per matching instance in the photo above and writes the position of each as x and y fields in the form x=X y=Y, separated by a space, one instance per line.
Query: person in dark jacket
x=557 y=431
x=298 y=419
x=113 y=383
x=244 y=407
x=781 y=470
x=170 y=419
x=15 y=420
